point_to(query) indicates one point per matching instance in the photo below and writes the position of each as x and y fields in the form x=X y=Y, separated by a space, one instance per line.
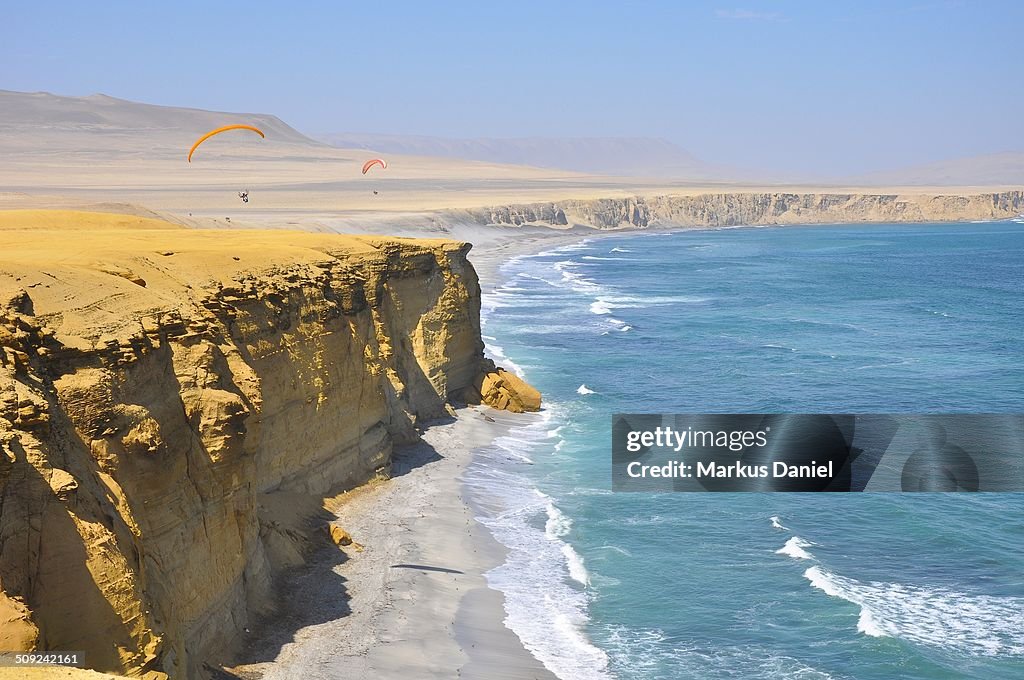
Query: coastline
x=418 y=593
x=414 y=597
x=415 y=594
x=490 y=257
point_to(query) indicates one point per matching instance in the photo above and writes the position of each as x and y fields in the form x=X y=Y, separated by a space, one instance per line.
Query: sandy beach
x=415 y=595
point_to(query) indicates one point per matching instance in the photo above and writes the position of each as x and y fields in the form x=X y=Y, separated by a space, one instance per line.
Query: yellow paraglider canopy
x=219 y=130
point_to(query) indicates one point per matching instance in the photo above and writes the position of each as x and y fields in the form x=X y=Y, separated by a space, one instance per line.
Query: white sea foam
x=577 y=571
x=497 y=353
x=551 y=329
x=514 y=448
x=558 y=524
x=615 y=548
x=621 y=325
x=537 y=278
x=608 y=302
x=648 y=652
x=574 y=279
x=616 y=249
x=794 y=548
x=584 y=390
x=771 y=345
x=542 y=578
x=561 y=250
x=980 y=625
x=867 y=625
x=777 y=523
x=514 y=455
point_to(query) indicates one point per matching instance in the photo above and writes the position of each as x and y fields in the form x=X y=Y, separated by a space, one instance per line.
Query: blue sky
x=809 y=87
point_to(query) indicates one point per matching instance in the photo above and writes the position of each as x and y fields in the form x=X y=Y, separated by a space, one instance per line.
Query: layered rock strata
x=174 y=404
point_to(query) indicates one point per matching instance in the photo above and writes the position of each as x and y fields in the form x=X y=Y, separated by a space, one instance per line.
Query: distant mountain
x=100 y=149
x=987 y=170
x=33 y=115
x=629 y=156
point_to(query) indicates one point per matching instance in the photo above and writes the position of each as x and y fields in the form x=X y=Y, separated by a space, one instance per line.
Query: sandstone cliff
x=170 y=401
x=739 y=208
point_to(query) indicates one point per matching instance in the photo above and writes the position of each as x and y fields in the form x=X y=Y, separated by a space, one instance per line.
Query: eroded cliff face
x=736 y=208
x=168 y=399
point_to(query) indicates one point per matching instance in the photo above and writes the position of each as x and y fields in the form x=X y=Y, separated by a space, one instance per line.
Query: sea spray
x=971 y=624
x=577 y=571
x=544 y=578
x=795 y=548
x=558 y=525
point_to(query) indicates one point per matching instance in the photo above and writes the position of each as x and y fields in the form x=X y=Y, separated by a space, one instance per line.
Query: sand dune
x=99 y=151
x=33 y=220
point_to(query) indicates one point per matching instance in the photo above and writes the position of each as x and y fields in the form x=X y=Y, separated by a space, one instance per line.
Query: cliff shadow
x=307 y=595
x=407 y=457
x=314 y=593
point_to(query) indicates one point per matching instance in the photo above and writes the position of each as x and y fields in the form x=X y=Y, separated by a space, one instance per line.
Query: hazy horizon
x=831 y=90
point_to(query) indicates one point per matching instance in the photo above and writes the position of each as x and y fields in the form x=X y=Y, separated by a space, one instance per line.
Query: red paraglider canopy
x=376 y=161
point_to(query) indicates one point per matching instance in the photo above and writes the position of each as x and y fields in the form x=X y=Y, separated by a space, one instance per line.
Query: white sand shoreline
x=414 y=602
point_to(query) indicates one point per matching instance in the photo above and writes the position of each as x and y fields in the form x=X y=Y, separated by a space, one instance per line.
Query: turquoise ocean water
x=884 y=318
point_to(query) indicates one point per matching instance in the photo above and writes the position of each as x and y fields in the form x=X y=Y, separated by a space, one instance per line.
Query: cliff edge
x=735 y=208
x=164 y=393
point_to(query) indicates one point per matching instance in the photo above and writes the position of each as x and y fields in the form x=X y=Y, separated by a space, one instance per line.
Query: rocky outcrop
x=738 y=208
x=160 y=441
x=500 y=389
x=518 y=215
